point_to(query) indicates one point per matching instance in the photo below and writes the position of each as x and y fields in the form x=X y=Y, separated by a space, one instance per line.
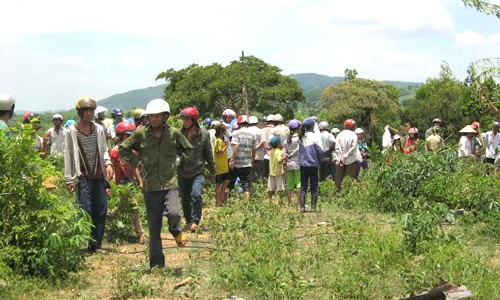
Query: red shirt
x=124 y=173
x=410 y=145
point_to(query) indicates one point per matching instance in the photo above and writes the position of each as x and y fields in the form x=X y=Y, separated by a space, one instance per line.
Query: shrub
x=40 y=232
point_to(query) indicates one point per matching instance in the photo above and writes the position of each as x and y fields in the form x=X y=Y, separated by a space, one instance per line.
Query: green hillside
x=312 y=81
x=133 y=99
x=312 y=84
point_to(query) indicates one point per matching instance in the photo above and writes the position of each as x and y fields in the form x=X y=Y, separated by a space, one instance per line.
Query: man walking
x=159 y=145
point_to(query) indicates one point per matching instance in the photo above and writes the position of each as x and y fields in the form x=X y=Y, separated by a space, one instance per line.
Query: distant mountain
x=311 y=83
x=133 y=99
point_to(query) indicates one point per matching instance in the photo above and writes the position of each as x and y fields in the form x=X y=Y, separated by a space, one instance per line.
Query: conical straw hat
x=467 y=129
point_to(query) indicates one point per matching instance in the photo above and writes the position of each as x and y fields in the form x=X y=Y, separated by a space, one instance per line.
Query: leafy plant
x=40 y=232
x=424 y=225
x=119 y=224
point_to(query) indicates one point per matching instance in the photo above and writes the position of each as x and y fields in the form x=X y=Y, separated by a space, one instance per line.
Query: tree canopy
x=371 y=103
x=214 y=88
x=444 y=97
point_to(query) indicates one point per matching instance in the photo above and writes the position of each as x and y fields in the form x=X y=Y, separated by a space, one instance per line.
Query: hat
x=437 y=120
x=253 y=120
x=358 y=131
x=57 y=116
x=294 y=124
x=467 y=129
x=278 y=118
x=309 y=121
x=396 y=137
x=217 y=124
x=275 y=140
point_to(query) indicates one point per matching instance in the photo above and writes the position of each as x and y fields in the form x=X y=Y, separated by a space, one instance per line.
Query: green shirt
x=201 y=155
x=158 y=155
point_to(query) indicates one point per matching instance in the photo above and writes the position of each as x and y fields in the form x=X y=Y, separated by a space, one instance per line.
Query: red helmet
x=27 y=117
x=242 y=119
x=125 y=127
x=349 y=124
x=190 y=112
x=475 y=125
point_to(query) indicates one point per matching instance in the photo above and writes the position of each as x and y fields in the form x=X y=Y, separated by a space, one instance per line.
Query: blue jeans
x=192 y=204
x=157 y=203
x=91 y=196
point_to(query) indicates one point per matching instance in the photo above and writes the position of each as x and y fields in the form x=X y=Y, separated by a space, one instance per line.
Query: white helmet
x=157 y=106
x=359 y=130
x=323 y=125
x=269 y=118
x=57 y=116
x=335 y=130
x=253 y=120
x=98 y=110
x=278 y=118
x=7 y=102
x=229 y=113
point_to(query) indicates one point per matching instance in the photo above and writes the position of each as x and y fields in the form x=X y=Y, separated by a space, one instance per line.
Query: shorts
x=219 y=179
x=275 y=183
x=292 y=180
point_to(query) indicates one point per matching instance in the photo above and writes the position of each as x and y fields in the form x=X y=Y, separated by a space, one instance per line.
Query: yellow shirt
x=275 y=166
x=221 y=166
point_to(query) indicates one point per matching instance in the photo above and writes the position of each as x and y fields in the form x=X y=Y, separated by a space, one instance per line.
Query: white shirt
x=465 y=147
x=491 y=143
x=56 y=141
x=346 y=147
x=327 y=141
x=260 y=151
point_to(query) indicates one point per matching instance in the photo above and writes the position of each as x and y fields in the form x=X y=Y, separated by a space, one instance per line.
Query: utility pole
x=244 y=89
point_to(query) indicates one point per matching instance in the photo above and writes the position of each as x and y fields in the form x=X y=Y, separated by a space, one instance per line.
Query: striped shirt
x=88 y=146
x=246 y=141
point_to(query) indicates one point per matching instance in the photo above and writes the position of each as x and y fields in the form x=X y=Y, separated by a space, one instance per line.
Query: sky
x=54 y=51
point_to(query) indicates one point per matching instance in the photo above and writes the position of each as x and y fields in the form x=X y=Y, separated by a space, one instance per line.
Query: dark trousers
x=157 y=203
x=91 y=196
x=192 y=203
x=343 y=171
x=325 y=170
x=309 y=175
x=260 y=169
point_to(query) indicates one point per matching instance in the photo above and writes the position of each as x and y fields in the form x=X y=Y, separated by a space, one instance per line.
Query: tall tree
x=350 y=74
x=214 y=88
x=373 y=104
x=444 y=97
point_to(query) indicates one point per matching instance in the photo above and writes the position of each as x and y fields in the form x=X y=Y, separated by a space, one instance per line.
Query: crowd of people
x=167 y=163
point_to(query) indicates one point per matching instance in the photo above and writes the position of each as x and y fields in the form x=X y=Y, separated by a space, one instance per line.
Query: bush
x=40 y=232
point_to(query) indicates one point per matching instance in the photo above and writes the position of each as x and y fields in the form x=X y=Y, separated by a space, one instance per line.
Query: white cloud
x=494 y=38
x=468 y=38
x=63 y=49
x=381 y=15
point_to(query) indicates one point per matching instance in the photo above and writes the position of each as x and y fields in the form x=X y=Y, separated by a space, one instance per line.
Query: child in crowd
x=125 y=174
x=275 y=181
x=291 y=156
x=222 y=178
